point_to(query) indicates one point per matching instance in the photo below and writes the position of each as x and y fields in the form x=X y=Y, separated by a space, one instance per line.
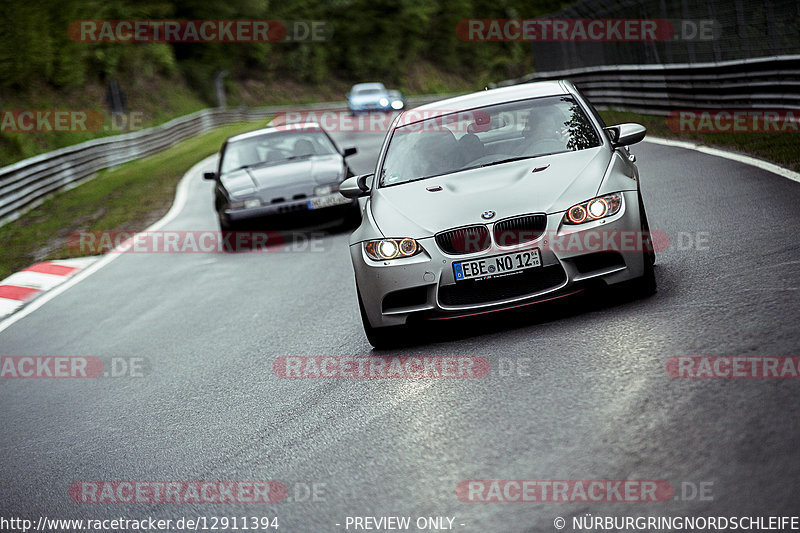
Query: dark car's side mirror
x=350 y=151
x=355 y=187
x=626 y=134
x=209 y=175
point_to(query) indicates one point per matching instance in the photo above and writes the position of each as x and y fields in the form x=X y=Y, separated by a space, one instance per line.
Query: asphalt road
x=597 y=403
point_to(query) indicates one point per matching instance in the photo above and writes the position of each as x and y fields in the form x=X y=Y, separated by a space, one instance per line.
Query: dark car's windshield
x=275 y=147
x=368 y=88
x=486 y=136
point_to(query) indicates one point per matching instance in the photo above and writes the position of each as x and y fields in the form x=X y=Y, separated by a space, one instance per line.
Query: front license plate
x=327 y=201
x=497 y=265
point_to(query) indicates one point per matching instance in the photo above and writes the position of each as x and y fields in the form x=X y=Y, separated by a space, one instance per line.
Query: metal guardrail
x=769 y=82
x=26 y=184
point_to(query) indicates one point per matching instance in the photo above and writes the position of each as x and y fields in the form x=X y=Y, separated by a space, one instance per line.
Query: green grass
x=150 y=102
x=779 y=148
x=130 y=197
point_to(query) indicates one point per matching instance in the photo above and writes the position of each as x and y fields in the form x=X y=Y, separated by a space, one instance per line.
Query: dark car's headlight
x=248 y=203
x=397 y=104
x=384 y=102
x=594 y=209
x=385 y=249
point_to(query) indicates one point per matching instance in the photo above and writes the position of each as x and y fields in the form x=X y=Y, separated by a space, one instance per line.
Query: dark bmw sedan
x=287 y=170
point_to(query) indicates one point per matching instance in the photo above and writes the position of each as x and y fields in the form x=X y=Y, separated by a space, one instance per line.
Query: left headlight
x=384 y=101
x=594 y=209
x=248 y=203
x=385 y=249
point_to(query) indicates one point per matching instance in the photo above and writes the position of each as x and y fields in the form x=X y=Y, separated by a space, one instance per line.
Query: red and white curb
x=25 y=285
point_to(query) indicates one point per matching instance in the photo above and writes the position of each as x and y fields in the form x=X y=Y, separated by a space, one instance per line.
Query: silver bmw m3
x=496 y=200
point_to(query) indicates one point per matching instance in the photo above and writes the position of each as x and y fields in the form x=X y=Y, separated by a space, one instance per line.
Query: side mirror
x=209 y=175
x=350 y=151
x=355 y=187
x=625 y=134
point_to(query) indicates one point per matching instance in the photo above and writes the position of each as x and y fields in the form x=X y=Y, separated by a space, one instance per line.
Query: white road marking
x=177 y=207
x=747 y=160
x=36 y=280
x=8 y=306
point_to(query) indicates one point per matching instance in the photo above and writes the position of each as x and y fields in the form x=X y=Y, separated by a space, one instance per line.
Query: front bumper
x=424 y=285
x=366 y=108
x=291 y=207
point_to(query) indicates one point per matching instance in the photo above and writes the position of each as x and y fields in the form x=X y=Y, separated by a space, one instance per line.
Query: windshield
x=486 y=136
x=367 y=88
x=275 y=147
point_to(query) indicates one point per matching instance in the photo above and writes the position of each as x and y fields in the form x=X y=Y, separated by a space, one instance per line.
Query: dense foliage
x=372 y=39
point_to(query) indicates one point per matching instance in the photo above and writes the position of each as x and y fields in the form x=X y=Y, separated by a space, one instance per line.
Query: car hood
x=509 y=189
x=299 y=175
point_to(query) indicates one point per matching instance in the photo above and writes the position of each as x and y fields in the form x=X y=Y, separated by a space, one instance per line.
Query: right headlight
x=385 y=249
x=594 y=209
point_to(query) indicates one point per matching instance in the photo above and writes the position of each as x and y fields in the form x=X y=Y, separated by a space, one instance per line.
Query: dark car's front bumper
x=290 y=207
x=368 y=108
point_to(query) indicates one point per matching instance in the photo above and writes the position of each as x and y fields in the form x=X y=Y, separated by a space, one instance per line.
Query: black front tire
x=226 y=225
x=646 y=285
x=646 y=229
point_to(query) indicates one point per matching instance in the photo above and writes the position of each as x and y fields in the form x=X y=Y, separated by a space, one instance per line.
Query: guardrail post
x=220 y=87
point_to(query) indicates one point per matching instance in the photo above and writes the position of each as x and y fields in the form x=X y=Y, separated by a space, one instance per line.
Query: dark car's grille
x=492 y=290
x=513 y=231
x=464 y=240
x=291 y=208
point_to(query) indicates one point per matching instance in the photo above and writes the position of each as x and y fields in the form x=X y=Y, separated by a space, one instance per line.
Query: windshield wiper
x=263 y=163
x=509 y=160
x=254 y=165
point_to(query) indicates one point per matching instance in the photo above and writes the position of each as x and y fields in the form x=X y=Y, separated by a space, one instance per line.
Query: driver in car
x=545 y=131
